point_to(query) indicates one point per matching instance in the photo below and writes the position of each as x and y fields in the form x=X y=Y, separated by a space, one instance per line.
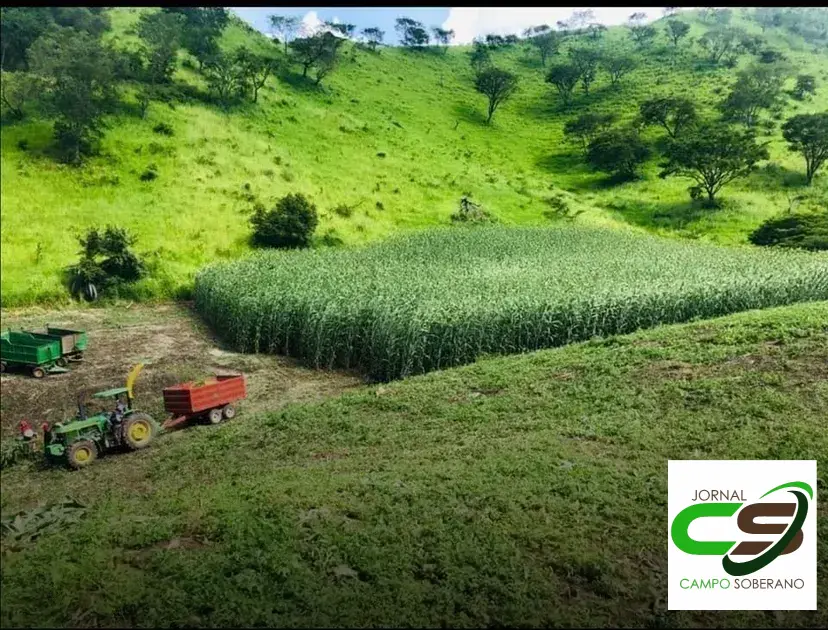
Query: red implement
x=212 y=398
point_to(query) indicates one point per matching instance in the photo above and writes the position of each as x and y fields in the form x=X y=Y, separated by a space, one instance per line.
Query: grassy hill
x=399 y=135
x=528 y=490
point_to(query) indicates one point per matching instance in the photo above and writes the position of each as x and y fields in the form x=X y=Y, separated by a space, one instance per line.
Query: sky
x=466 y=22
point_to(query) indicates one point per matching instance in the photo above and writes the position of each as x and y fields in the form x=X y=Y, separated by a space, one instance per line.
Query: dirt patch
x=175 y=346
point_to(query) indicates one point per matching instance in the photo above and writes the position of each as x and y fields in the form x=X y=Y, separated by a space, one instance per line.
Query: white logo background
x=754 y=478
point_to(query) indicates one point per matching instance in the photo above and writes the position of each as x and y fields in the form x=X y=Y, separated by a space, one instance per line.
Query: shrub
x=164 y=129
x=804 y=231
x=470 y=212
x=150 y=174
x=106 y=262
x=290 y=224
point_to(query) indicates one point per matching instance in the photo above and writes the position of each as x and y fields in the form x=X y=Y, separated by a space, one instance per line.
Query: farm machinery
x=79 y=441
x=41 y=353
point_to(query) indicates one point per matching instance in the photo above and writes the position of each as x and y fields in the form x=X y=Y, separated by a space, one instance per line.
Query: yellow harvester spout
x=133 y=375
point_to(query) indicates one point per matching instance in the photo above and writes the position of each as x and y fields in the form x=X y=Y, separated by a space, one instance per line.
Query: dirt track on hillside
x=174 y=344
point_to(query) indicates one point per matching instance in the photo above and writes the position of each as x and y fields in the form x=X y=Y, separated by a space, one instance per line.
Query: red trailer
x=211 y=399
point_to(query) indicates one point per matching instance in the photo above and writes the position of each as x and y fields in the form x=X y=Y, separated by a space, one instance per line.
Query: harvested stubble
x=444 y=297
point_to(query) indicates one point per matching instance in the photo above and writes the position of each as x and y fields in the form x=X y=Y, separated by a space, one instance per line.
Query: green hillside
x=399 y=135
x=525 y=491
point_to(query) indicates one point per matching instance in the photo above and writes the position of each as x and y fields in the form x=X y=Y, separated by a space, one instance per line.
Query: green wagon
x=41 y=353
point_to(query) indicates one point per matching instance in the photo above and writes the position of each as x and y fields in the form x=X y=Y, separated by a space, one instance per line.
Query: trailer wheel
x=138 y=431
x=228 y=411
x=215 y=416
x=38 y=372
x=61 y=362
x=81 y=454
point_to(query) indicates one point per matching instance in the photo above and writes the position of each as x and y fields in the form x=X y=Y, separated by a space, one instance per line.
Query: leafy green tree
x=107 y=262
x=79 y=88
x=768 y=17
x=617 y=151
x=290 y=224
x=19 y=91
x=586 y=59
x=805 y=84
x=674 y=113
x=642 y=34
x=547 y=44
x=442 y=36
x=226 y=77
x=161 y=33
x=808 y=134
x=411 y=32
x=285 y=27
x=256 y=69
x=596 y=31
x=373 y=37
x=564 y=76
x=201 y=29
x=342 y=28
x=721 y=41
x=758 y=87
x=586 y=127
x=677 y=30
x=480 y=58
x=712 y=155
x=319 y=52
x=497 y=85
x=618 y=65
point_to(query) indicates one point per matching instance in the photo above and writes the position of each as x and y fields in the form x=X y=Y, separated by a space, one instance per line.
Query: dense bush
x=106 y=262
x=805 y=231
x=444 y=297
x=290 y=224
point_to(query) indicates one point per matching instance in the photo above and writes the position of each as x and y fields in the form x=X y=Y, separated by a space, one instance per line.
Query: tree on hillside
x=712 y=155
x=596 y=31
x=318 y=51
x=618 y=65
x=226 y=77
x=479 y=58
x=718 y=42
x=494 y=41
x=161 y=33
x=373 y=37
x=442 y=36
x=722 y=16
x=411 y=32
x=564 y=76
x=586 y=60
x=563 y=27
x=676 y=30
x=581 y=18
x=674 y=113
x=255 y=69
x=669 y=11
x=642 y=34
x=808 y=134
x=342 y=28
x=285 y=27
x=201 y=29
x=758 y=87
x=497 y=85
x=18 y=91
x=79 y=88
x=617 y=151
x=586 y=127
x=547 y=44
x=767 y=17
x=805 y=84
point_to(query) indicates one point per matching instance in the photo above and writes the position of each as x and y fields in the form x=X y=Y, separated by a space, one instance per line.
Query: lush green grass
x=419 y=109
x=444 y=297
x=528 y=490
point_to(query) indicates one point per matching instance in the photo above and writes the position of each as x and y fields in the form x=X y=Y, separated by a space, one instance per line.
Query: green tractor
x=78 y=442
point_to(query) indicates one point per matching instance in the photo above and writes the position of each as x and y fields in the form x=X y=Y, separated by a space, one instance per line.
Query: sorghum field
x=444 y=297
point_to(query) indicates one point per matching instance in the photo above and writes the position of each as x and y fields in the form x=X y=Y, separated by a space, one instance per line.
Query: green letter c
x=681 y=525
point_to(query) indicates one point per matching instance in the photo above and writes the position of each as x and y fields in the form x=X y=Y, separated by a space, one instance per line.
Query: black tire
x=138 y=431
x=61 y=362
x=38 y=372
x=81 y=454
x=229 y=412
x=215 y=416
x=2 y=366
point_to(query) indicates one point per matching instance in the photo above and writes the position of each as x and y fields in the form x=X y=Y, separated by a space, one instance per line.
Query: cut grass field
x=399 y=135
x=528 y=490
x=445 y=297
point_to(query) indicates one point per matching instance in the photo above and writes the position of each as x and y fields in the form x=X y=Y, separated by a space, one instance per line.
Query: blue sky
x=466 y=22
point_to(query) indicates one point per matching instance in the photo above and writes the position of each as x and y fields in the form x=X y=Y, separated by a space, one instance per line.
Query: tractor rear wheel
x=138 y=430
x=229 y=411
x=215 y=416
x=81 y=454
x=61 y=362
x=38 y=372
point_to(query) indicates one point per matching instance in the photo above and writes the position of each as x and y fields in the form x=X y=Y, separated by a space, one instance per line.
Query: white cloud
x=468 y=22
x=311 y=24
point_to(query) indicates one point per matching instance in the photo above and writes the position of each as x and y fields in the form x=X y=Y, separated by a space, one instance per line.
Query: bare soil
x=174 y=345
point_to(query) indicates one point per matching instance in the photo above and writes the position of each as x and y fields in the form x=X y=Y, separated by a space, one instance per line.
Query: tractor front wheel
x=61 y=362
x=81 y=454
x=38 y=372
x=215 y=416
x=138 y=431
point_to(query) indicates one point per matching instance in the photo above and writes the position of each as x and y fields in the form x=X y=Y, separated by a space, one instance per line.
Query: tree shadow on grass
x=532 y=62
x=677 y=216
x=298 y=82
x=772 y=177
x=470 y=114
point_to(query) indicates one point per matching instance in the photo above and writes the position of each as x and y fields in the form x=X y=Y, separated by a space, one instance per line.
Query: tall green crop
x=443 y=297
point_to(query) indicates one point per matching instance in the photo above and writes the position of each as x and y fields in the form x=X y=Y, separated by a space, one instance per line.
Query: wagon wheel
x=138 y=431
x=38 y=372
x=81 y=454
x=215 y=416
x=228 y=411
x=2 y=366
x=61 y=362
